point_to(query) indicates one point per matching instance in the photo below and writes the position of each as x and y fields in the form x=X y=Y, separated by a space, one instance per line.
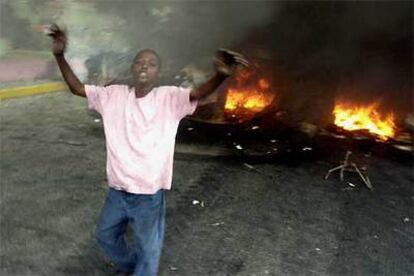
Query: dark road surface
x=269 y=220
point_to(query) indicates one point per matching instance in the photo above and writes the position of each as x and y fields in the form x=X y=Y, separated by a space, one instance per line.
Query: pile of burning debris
x=247 y=116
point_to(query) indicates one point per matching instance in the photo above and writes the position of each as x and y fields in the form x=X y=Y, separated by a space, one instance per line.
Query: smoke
x=325 y=51
x=314 y=51
x=184 y=32
x=105 y=35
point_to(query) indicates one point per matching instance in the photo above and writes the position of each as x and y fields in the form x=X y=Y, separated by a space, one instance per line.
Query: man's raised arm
x=58 y=48
x=225 y=63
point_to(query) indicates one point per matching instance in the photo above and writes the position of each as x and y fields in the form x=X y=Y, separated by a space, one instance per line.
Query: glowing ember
x=249 y=99
x=353 y=118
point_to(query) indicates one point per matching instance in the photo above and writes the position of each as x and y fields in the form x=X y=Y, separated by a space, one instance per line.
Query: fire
x=249 y=98
x=360 y=117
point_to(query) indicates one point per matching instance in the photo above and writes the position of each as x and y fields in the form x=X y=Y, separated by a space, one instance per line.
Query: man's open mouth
x=143 y=76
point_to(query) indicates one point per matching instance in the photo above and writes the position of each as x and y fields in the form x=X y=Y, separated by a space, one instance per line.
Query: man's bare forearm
x=74 y=84
x=208 y=87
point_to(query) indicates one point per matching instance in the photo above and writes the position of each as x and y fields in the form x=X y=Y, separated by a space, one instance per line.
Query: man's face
x=146 y=68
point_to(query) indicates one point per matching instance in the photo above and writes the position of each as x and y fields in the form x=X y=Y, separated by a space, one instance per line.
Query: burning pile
x=247 y=95
x=364 y=117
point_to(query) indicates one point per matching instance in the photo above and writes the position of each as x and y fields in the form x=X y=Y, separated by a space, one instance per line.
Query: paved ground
x=270 y=220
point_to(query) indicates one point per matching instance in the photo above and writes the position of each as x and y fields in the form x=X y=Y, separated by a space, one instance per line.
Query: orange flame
x=247 y=99
x=250 y=99
x=360 y=117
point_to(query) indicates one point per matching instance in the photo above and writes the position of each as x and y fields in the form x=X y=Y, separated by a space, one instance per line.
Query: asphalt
x=266 y=218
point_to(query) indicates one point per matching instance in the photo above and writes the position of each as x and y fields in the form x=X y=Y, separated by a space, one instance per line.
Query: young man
x=140 y=124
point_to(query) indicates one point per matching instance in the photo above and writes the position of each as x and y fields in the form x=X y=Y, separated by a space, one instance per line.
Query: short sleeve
x=182 y=106
x=97 y=96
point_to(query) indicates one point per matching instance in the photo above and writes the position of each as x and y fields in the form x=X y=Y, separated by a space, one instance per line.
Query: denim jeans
x=146 y=215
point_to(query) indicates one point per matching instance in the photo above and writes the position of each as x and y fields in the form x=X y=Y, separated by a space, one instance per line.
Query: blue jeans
x=146 y=214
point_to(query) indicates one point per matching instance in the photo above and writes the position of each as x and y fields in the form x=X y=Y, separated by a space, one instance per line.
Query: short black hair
x=150 y=51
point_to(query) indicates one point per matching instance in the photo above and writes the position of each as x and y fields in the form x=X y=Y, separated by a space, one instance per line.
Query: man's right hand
x=59 y=39
x=58 y=48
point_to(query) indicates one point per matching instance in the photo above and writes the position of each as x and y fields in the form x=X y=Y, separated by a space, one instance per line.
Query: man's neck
x=142 y=90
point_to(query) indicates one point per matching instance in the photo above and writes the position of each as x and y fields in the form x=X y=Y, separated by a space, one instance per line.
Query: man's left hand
x=226 y=61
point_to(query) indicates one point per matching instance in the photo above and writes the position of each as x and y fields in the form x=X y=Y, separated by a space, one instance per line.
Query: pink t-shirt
x=140 y=134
